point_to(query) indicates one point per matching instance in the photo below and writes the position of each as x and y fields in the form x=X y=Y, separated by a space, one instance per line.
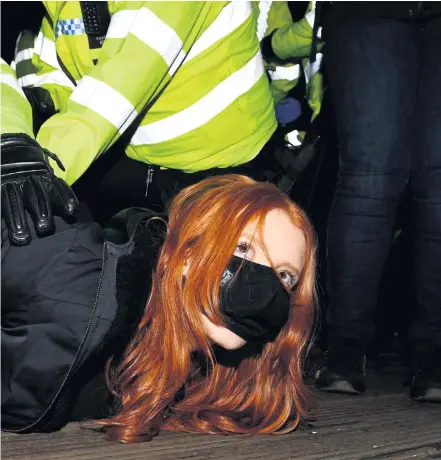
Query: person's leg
x=426 y=187
x=373 y=72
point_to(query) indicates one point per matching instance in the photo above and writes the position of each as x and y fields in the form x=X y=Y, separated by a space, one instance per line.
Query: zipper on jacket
x=89 y=324
x=148 y=180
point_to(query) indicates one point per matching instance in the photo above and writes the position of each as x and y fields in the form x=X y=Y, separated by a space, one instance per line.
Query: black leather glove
x=28 y=183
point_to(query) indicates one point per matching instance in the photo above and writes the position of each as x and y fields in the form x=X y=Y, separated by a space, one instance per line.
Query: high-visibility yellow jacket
x=183 y=81
x=16 y=112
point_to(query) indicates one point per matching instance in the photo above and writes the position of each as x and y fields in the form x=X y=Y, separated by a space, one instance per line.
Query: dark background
x=15 y=17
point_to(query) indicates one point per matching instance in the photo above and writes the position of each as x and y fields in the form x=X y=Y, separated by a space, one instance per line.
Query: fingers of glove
x=14 y=215
x=63 y=198
x=37 y=202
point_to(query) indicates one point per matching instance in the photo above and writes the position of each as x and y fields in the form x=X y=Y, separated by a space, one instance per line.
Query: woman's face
x=286 y=246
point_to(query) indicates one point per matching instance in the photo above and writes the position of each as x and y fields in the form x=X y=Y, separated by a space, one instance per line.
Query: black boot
x=426 y=380
x=344 y=368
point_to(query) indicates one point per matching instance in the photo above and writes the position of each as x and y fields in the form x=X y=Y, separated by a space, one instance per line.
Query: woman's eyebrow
x=248 y=235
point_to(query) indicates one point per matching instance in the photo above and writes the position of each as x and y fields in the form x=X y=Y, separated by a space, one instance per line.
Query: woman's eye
x=288 y=279
x=243 y=248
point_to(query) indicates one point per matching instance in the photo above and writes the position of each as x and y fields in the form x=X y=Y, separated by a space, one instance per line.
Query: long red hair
x=264 y=393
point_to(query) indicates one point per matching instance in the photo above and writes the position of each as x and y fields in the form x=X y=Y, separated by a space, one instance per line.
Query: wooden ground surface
x=382 y=424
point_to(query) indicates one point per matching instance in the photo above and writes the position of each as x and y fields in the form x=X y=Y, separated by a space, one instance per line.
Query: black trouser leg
x=373 y=69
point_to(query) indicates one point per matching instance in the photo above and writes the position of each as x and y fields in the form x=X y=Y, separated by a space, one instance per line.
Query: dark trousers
x=115 y=182
x=385 y=76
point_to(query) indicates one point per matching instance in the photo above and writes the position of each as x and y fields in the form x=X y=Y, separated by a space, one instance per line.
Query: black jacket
x=70 y=301
x=335 y=12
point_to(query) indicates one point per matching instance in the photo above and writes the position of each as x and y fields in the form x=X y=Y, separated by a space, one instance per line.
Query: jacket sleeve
x=145 y=44
x=294 y=40
x=46 y=72
x=16 y=112
x=284 y=46
x=24 y=50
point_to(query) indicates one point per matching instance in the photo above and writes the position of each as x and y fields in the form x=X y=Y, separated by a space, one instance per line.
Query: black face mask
x=255 y=304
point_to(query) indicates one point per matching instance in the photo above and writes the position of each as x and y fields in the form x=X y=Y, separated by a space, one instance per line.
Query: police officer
x=179 y=86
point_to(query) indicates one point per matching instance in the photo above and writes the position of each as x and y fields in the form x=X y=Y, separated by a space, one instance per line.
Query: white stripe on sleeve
x=24 y=55
x=47 y=51
x=148 y=28
x=105 y=101
x=57 y=77
x=229 y=19
x=12 y=82
x=290 y=73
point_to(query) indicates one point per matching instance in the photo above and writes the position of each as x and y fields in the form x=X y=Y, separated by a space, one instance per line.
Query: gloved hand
x=28 y=183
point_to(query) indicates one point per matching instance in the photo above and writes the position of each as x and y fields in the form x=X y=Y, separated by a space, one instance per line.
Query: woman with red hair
x=225 y=318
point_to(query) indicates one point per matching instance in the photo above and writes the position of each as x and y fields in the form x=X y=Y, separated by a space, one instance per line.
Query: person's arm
x=144 y=46
x=24 y=51
x=293 y=41
x=27 y=180
x=16 y=112
x=285 y=43
x=46 y=75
